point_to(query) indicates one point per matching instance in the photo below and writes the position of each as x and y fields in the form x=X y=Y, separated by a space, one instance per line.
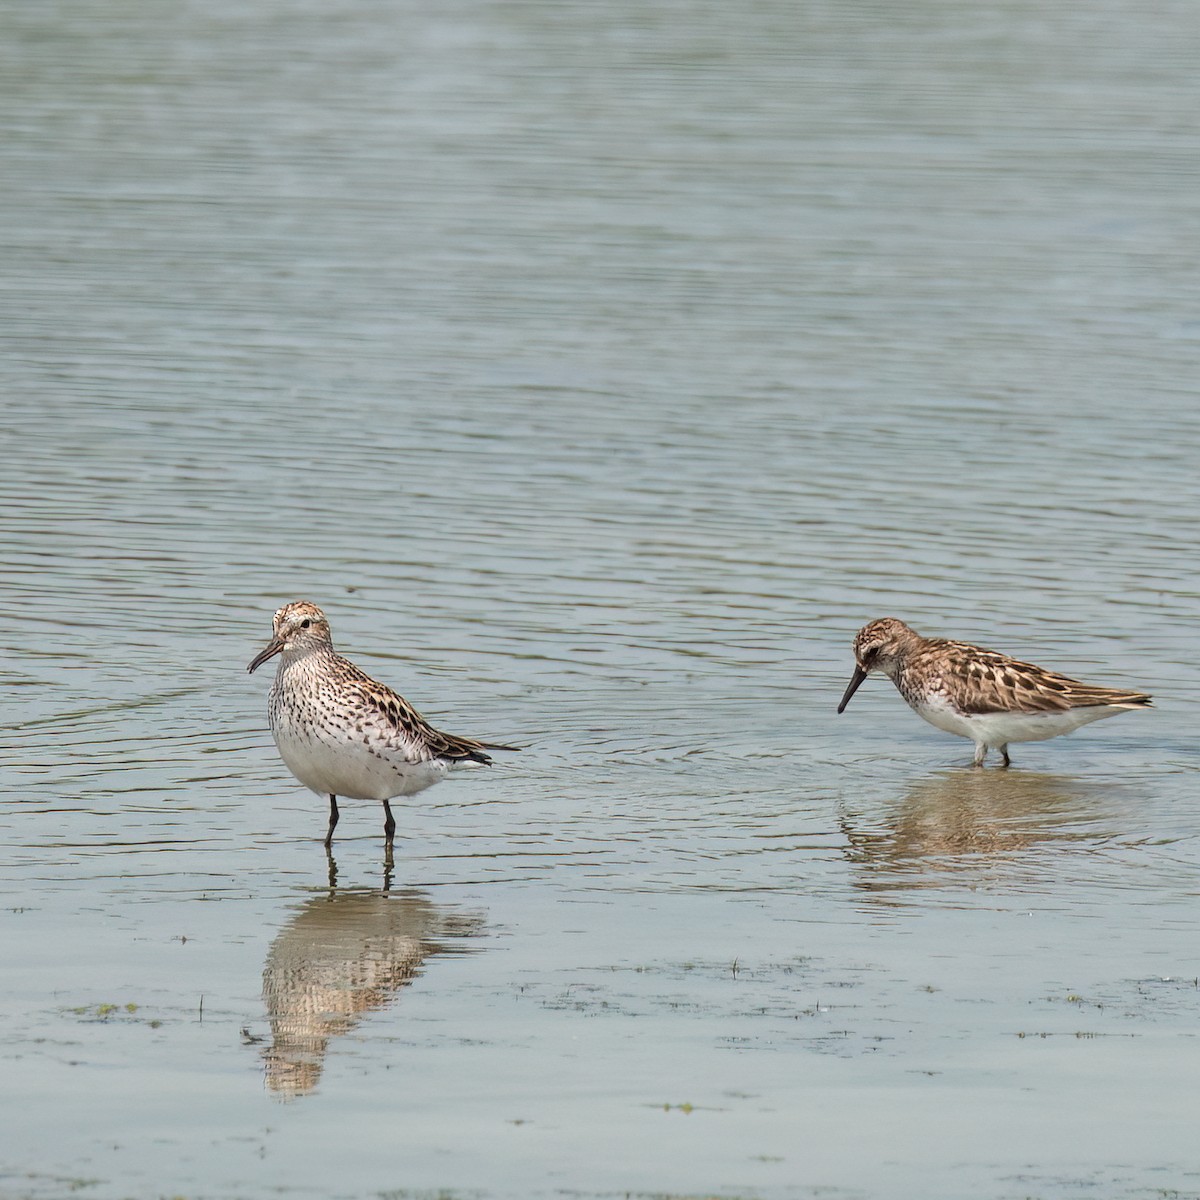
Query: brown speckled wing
x=421 y=740
x=988 y=682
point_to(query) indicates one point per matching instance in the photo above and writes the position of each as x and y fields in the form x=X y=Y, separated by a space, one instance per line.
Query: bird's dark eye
x=305 y=623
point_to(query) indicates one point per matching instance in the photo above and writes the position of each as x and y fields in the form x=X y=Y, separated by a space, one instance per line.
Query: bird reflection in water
x=342 y=955
x=969 y=821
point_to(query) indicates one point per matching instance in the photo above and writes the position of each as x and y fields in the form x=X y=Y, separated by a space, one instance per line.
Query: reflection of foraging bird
x=980 y=694
x=341 y=733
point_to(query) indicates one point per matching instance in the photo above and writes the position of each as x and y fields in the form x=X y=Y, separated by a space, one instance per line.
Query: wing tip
x=477 y=751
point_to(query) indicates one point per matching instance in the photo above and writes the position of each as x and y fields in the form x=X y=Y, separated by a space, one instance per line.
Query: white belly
x=349 y=768
x=998 y=729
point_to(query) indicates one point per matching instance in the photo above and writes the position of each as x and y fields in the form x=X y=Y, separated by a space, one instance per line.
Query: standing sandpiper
x=341 y=733
x=980 y=694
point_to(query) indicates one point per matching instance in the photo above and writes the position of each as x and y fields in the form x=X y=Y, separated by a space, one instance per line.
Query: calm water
x=600 y=369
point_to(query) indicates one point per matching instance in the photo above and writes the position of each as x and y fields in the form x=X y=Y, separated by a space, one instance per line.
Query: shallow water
x=599 y=369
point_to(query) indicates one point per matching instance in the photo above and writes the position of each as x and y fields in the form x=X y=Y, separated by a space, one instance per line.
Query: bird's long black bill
x=273 y=647
x=855 y=683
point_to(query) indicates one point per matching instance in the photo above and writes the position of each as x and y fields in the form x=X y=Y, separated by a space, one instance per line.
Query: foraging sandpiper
x=980 y=694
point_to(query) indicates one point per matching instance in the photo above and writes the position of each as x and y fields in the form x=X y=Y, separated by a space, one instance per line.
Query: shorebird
x=980 y=694
x=343 y=734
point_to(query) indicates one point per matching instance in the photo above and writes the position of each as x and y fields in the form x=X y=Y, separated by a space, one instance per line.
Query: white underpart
x=333 y=766
x=346 y=769
x=998 y=729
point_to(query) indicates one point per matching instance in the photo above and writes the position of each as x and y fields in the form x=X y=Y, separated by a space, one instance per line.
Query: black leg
x=389 y=832
x=1005 y=760
x=333 y=820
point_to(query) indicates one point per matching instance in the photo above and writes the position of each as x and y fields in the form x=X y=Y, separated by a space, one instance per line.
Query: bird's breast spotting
x=352 y=752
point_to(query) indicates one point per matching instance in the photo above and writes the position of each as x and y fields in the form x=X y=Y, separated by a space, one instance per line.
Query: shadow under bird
x=343 y=734
x=980 y=694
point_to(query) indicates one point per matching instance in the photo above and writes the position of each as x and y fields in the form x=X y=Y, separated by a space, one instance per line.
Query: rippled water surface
x=599 y=368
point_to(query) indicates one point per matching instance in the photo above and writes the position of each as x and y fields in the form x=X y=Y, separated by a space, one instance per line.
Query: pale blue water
x=599 y=369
